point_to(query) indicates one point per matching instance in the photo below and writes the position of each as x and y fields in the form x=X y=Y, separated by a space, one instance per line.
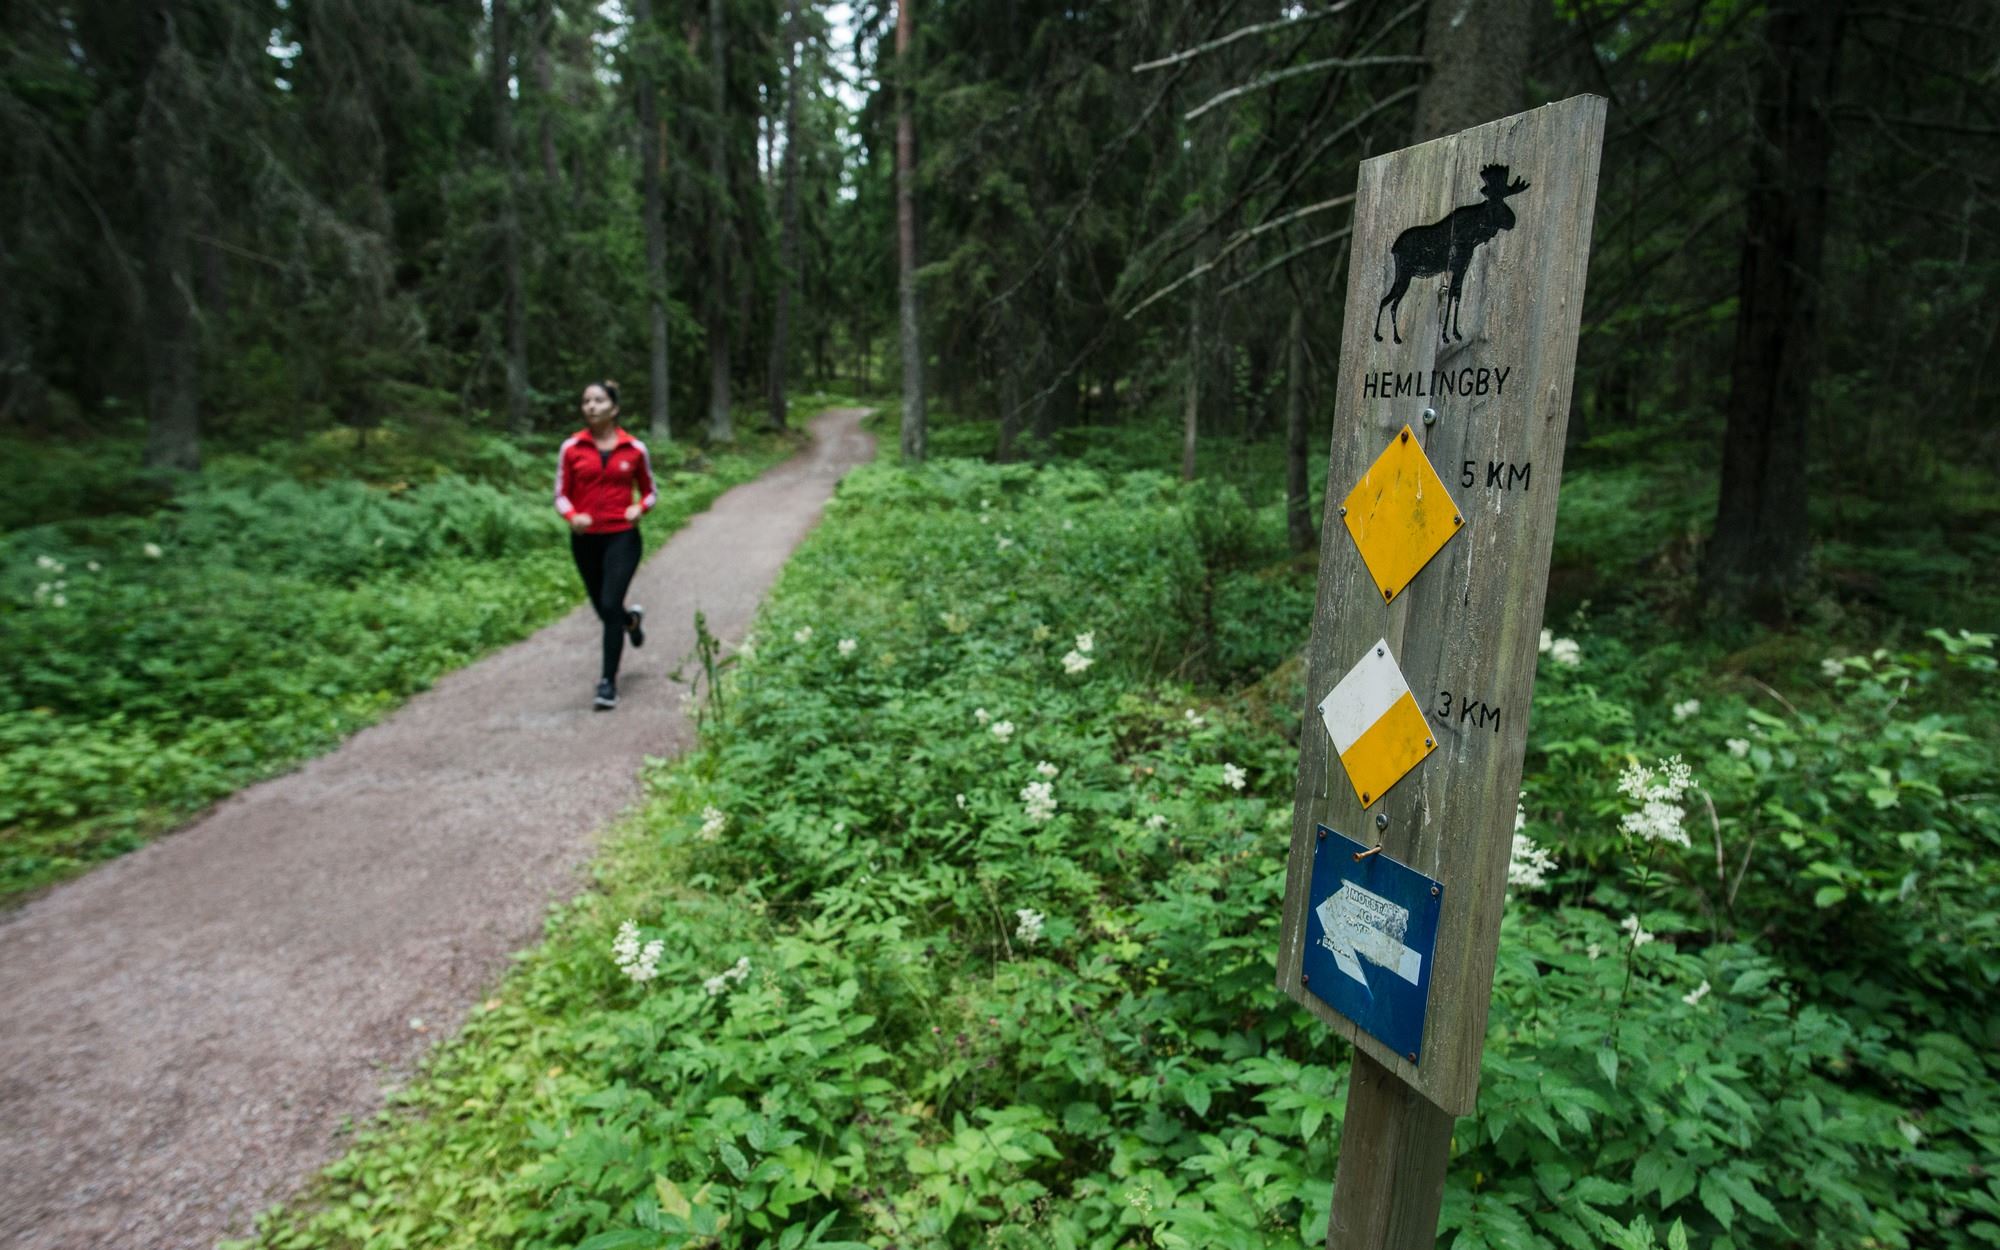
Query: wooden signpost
x=1468 y=263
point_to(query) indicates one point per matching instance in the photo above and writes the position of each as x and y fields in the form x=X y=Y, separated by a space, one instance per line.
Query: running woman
x=598 y=471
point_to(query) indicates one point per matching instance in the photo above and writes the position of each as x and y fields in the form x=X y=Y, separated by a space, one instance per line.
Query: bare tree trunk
x=1191 y=411
x=1010 y=410
x=1478 y=51
x=1299 y=522
x=719 y=428
x=781 y=322
x=24 y=392
x=1758 y=554
x=652 y=165
x=173 y=394
x=520 y=418
x=545 y=95
x=906 y=240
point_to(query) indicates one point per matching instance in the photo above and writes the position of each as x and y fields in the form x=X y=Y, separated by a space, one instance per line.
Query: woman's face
x=597 y=405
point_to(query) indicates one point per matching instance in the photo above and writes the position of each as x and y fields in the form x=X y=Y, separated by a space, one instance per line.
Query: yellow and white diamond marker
x=1400 y=515
x=1376 y=726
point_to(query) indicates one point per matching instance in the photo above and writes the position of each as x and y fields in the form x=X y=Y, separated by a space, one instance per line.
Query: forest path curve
x=183 y=1031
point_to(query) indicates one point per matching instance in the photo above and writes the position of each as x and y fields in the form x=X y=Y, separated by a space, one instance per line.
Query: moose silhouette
x=1422 y=251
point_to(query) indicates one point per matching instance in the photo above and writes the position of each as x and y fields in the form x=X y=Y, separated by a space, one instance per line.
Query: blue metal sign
x=1370 y=933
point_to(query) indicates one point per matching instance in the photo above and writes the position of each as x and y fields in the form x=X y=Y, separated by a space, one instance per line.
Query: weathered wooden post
x=1434 y=556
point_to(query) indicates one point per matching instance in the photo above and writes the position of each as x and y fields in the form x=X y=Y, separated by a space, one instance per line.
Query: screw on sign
x=1392 y=945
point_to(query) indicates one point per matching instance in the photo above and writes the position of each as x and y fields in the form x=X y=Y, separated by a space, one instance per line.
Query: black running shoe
x=607 y=695
x=635 y=624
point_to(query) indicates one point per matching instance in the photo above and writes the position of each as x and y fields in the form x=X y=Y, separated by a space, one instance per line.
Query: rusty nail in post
x=1411 y=1056
x=1430 y=742
x=1321 y=835
x=1434 y=891
x=1364 y=799
x=1458 y=520
x=1373 y=850
x=1343 y=510
x=1404 y=437
x=1430 y=416
x=1388 y=594
x=1381 y=820
x=1305 y=979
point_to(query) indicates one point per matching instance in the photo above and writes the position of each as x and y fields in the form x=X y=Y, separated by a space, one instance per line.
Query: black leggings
x=607 y=562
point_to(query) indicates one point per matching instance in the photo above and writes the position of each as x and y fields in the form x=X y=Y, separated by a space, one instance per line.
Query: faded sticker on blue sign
x=1370 y=934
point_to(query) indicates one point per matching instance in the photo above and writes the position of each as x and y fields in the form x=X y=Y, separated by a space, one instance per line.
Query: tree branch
x=1243 y=32
x=1293 y=71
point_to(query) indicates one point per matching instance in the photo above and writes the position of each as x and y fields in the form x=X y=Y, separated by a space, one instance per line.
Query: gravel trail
x=183 y=1031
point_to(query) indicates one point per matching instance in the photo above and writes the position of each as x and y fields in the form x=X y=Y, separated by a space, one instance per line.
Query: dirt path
x=183 y=1030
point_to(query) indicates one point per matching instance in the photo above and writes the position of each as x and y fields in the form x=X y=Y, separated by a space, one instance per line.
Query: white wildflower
x=984 y=519
x=1002 y=729
x=1047 y=769
x=1157 y=821
x=1193 y=718
x=639 y=962
x=1639 y=936
x=1658 y=792
x=955 y=622
x=1738 y=747
x=92 y=565
x=60 y=601
x=720 y=981
x=50 y=563
x=1687 y=709
x=1029 y=929
x=1830 y=667
x=981 y=715
x=1234 y=777
x=803 y=633
x=961 y=802
x=1565 y=652
x=1593 y=950
x=846 y=646
x=153 y=551
x=1911 y=1133
x=1002 y=543
x=1086 y=641
x=713 y=822
x=1075 y=662
x=1548 y=640
x=1696 y=994
x=1039 y=798
x=984 y=504
x=1068 y=524
x=1042 y=633
x=1528 y=865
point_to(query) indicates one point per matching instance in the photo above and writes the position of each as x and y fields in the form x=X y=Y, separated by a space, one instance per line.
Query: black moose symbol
x=1422 y=251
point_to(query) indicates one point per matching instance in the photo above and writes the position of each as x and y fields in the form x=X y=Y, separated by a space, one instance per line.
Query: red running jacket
x=600 y=484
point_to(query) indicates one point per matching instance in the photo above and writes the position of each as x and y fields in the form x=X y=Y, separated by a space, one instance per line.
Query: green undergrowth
x=958 y=929
x=159 y=661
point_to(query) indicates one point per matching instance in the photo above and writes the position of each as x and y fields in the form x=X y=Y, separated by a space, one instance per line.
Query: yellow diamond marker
x=1376 y=726
x=1400 y=515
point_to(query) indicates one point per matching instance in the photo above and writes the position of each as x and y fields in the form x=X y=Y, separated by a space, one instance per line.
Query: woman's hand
x=579 y=521
x=632 y=513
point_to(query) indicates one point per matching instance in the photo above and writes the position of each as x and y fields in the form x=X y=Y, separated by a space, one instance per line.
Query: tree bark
x=781 y=321
x=520 y=417
x=1010 y=411
x=913 y=432
x=719 y=428
x=173 y=396
x=1758 y=555
x=1191 y=411
x=545 y=95
x=1478 y=51
x=652 y=163
x=1299 y=522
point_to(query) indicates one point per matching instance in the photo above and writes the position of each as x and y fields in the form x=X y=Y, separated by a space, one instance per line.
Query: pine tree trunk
x=545 y=96
x=651 y=167
x=1299 y=525
x=781 y=322
x=719 y=427
x=168 y=328
x=1010 y=411
x=913 y=432
x=1478 y=51
x=1191 y=411
x=520 y=418
x=1758 y=554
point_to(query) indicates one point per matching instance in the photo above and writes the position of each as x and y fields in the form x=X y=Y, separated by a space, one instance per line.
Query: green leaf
x=1607 y=1063
x=1828 y=895
x=1716 y=1199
